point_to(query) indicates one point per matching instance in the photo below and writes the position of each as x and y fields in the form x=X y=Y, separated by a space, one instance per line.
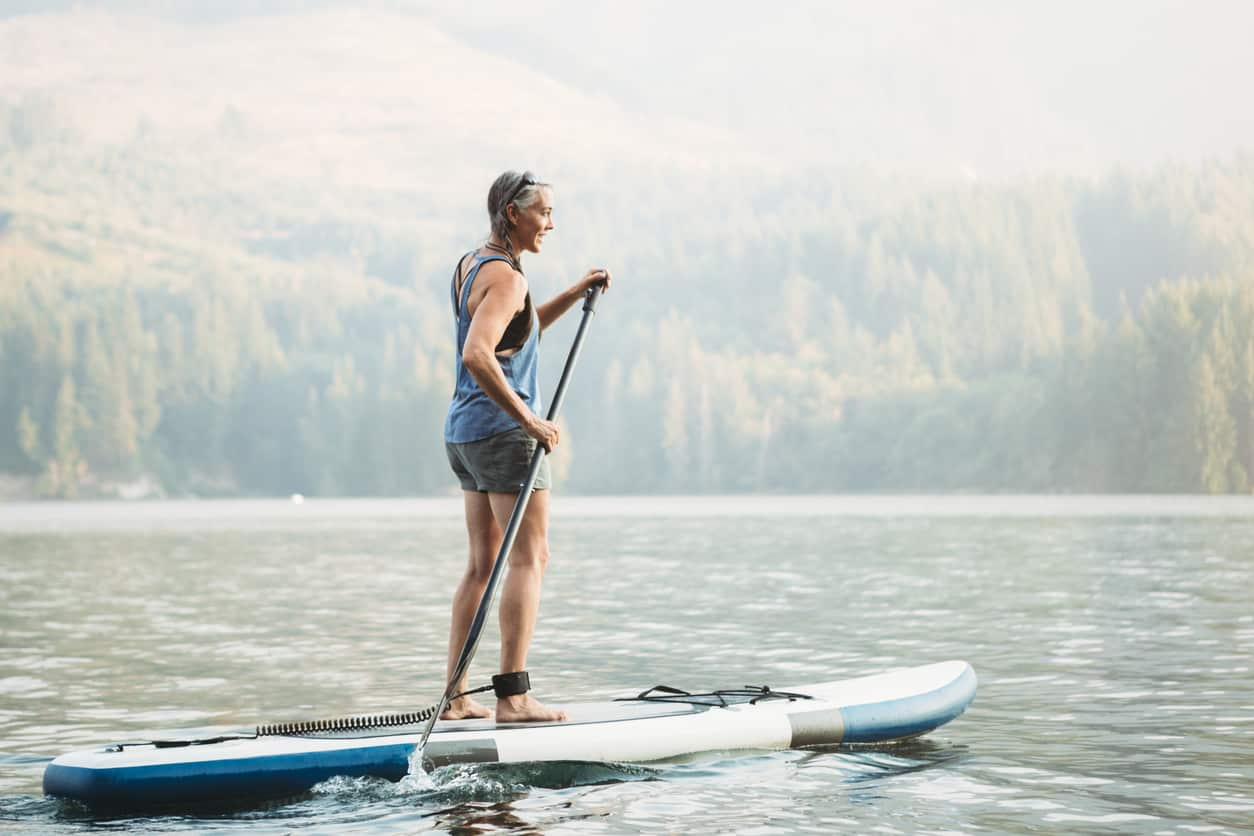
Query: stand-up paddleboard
x=658 y=724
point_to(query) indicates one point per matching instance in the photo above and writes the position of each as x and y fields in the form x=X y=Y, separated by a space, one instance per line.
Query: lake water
x=1113 y=638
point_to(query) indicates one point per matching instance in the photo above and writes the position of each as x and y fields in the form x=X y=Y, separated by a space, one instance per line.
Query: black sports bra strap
x=455 y=286
x=457 y=292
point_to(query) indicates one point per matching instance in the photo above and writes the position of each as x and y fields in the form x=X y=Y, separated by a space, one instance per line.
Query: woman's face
x=534 y=222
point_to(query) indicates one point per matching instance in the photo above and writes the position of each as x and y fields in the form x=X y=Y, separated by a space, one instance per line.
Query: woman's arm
x=553 y=309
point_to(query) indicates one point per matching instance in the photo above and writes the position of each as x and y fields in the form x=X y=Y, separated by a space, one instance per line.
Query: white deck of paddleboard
x=615 y=731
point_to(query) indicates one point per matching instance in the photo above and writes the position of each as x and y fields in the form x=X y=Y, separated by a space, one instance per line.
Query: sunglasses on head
x=522 y=184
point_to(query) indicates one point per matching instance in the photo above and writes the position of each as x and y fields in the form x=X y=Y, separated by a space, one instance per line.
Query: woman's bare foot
x=521 y=708
x=464 y=708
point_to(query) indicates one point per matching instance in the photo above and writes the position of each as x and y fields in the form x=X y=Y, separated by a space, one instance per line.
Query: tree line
x=818 y=331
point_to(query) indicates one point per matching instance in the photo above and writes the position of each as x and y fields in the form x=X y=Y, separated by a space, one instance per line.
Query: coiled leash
x=305 y=727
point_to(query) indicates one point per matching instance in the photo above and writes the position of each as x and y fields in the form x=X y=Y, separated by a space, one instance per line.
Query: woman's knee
x=476 y=574
x=479 y=566
x=529 y=555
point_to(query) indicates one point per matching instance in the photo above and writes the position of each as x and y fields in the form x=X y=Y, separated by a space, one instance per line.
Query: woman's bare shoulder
x=500 y=278
x=502 y=272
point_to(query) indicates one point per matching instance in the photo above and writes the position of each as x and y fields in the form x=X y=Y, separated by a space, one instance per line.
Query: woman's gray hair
x=520 y=189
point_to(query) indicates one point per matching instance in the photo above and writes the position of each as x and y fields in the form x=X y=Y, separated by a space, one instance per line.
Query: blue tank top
x=472 y=415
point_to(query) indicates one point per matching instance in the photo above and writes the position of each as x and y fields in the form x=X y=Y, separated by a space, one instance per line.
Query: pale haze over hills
x=371 y=91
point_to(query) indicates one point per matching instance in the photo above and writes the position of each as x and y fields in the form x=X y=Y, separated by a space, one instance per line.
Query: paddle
x=515 y=520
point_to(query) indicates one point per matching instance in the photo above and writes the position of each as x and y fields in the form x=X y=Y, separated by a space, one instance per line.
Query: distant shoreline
x=184 y=514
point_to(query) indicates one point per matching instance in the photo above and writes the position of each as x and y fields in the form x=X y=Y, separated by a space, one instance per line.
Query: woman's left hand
x=596 y=276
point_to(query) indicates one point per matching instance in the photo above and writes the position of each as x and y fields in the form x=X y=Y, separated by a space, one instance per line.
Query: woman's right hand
x=596 y=276
x=544 y=432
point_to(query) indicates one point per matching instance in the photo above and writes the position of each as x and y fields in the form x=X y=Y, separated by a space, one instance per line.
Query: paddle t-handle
x=471 y=644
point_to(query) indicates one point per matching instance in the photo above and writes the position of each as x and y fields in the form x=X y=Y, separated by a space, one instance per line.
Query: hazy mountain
x=983 y=87
x=374 y=98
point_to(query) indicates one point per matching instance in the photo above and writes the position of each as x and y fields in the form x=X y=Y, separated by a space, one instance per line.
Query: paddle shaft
x=515 y=521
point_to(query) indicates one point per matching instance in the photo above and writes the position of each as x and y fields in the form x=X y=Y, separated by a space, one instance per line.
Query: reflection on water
x=1112 y=637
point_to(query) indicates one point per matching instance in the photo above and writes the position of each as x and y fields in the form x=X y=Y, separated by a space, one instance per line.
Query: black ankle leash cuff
x=511 y=684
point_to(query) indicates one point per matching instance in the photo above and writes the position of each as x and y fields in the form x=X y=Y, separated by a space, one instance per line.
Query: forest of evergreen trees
x=819 y=331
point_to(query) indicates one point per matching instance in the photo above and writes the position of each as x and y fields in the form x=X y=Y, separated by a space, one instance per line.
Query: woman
x=493 y=427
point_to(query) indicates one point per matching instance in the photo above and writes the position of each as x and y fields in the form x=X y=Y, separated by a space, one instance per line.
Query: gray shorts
x=498 y=463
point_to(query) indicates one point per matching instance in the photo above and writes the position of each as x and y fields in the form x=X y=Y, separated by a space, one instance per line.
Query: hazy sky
x=981 y=87
x=980 y=82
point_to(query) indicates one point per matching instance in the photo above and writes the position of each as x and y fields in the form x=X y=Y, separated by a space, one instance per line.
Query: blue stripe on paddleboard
x=273 y=775
x=908 y=716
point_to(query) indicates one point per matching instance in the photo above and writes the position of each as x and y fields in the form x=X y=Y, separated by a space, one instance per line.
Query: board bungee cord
x=722 y=698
